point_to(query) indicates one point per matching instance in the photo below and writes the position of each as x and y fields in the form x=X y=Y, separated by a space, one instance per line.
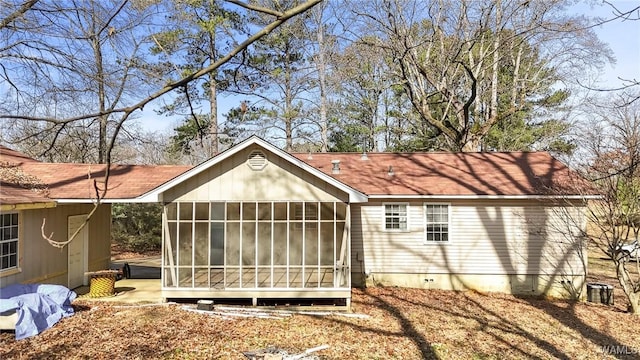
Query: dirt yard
x=400 y=324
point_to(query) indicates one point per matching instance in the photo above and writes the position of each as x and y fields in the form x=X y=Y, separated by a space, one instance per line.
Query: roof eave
x=138 y=200
x=28 y=206
x=487 y=197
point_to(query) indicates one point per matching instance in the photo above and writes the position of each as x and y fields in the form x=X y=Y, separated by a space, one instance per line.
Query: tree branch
x=256 y=8
x=185 y=80
x=26 y=6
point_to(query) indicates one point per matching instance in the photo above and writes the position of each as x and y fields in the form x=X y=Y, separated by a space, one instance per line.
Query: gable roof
x=70 y=182
x=512 y=174
x=354 y=195
x=422 y=175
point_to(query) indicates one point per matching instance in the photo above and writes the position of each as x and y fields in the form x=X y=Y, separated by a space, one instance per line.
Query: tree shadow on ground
x=490 y=329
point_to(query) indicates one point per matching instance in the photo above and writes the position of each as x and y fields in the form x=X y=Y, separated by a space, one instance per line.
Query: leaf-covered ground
x=403 y=324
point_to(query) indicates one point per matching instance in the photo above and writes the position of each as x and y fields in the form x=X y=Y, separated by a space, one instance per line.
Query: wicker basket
x=102 y=283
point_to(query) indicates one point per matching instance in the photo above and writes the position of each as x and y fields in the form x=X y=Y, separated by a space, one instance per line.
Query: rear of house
x=506 y=222
x=510 y=246
x=256 y=222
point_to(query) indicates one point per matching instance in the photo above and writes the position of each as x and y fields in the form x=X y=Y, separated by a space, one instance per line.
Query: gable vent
x=257 y=160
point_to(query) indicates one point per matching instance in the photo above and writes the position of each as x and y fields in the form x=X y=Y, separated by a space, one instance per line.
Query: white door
x=77 y=251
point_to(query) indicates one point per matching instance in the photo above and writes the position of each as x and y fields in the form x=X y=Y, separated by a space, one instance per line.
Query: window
x=437 y=222
x=8 y=241
x=395 y=217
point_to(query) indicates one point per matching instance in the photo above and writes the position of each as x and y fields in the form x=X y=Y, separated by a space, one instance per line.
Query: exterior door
x=77 y=251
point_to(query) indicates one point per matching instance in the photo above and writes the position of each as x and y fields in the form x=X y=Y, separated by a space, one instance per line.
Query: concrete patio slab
x=128 y=291
x=143 y=286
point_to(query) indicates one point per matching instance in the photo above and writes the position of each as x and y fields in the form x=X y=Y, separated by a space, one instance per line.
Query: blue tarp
x=39 y=306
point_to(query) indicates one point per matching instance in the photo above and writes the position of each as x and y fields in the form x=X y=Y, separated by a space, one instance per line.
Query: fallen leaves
x=399 y=324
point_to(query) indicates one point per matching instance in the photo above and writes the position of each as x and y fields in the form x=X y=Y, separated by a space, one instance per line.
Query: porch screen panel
x=249 y=253
x=185 y=245
x=170 y=254
x=280 y=244
x=280 y=254
x=217 y=211
x=232 y=253
x=264 y=254
x=201 y=244
x=326 y=254
x=280 y=211
x=340 y=229
x=202 y=211
x=295 y=254
x=185 y=211
x=170 y=245
x=201 y=254
x=216 y=245
x=172 y=211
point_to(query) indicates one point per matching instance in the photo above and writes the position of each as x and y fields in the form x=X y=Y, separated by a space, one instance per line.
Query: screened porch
x=256 y=248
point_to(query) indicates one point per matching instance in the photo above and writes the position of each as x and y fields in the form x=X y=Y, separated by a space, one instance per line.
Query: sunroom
x=257 y=224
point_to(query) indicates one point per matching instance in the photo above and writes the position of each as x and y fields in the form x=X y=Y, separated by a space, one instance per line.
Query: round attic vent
x=257 y=160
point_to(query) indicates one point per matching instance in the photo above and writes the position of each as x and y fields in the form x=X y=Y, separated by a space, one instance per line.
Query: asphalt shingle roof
x=438 y=173
x=76 y=181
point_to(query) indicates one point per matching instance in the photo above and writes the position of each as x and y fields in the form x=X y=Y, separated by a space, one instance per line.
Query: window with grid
x=395 y=216
x=8 y=241
x=437 y=222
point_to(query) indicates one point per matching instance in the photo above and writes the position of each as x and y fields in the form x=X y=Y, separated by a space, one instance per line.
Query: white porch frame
x=337 y=286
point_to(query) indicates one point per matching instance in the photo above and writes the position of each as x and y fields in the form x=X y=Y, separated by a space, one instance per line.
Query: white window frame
x=17 y=242
x=384 y=216
x=448 y=205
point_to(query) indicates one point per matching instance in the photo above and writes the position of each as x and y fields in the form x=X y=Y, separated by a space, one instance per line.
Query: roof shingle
x=76 y=181
x=513 y=173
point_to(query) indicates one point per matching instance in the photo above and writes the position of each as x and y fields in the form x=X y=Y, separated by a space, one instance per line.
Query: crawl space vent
x=257 y=160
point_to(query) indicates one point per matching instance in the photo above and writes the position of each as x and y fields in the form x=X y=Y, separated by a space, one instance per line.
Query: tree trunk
x=627 y=286
x=213 y=114
x=288 y=107
x=322 y=80
x=213 y=93
x=103 y=118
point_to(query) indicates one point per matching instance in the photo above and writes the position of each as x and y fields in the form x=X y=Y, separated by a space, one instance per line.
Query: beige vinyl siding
x=233 y=179
x=42 y=263
x=486 y=237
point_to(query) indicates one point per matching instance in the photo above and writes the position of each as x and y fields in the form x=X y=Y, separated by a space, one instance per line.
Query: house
x=255 y=222
x=55 y=199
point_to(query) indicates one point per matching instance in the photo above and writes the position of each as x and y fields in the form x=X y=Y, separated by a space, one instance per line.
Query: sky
x=623 y=37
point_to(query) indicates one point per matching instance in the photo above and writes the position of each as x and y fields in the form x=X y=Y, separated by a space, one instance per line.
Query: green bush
x=137 y=227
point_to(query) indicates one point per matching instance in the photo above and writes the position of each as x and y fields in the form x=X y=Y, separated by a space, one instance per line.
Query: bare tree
x=613 y=144
x=468 y=65
x=19 y=30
